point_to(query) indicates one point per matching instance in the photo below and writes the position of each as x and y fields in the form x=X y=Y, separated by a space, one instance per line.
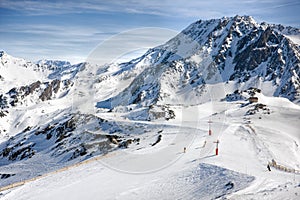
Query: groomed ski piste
x=247 y=143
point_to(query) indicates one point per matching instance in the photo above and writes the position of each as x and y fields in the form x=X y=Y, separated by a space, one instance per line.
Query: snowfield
x=164 y=171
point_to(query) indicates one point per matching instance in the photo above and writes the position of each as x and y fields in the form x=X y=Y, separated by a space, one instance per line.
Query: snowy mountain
x=58 y=119
x=54 y=64
x=237 y=51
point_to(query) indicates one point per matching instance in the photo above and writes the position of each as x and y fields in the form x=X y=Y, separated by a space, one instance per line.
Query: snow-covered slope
x=163 y=171
x=17 y=72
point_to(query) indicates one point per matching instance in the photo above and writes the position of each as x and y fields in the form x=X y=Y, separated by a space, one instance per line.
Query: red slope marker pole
x=217 y=147
x=209 y=127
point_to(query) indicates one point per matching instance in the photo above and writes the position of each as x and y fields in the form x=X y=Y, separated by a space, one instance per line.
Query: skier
x=269 y=168
x=184 y=149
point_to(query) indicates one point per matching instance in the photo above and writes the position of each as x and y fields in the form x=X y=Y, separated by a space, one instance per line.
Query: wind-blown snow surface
x=137 y=117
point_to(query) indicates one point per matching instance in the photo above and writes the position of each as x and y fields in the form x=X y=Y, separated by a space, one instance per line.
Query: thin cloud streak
x=194 y=9
x=203 y=9
x=54 y=30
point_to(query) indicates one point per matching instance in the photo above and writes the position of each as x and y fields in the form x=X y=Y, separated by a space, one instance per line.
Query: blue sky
x=71 y=29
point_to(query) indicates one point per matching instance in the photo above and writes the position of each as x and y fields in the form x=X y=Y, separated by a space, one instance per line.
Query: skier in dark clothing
x=269 y=168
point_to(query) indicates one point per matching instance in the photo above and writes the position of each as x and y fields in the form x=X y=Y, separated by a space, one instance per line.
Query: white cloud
x=78 y=43
x=52 y=30
x=129 y=43
x=195 y=9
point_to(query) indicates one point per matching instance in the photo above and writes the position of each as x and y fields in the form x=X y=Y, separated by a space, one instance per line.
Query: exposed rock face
x=35 y=91
x=67 y=139
x=52 y=87
x=236 y=50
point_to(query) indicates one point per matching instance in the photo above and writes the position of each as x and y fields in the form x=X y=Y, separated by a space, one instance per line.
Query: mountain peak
x=244 y=17
x=57 y=63
x=2 y=53
x=230 y=50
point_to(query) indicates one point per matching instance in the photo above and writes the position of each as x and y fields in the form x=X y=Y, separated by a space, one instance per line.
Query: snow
x=181 y=76
x=15 y=72
x=294 y=38
x=277 y=102
x=247 y=144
